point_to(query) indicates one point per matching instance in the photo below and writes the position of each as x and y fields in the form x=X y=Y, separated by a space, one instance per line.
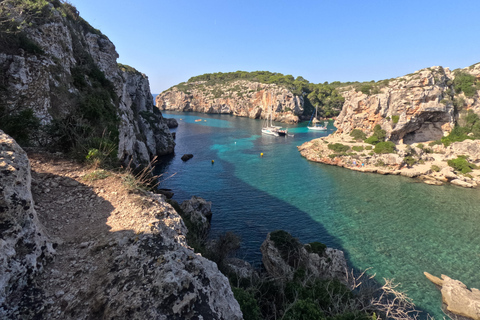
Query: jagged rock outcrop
x=171 y=122
x=412 y=108
x=241 y=98
x=457 y=298
x=24 y=246
x=199 y=212
x=281 y=263
x=71 y=79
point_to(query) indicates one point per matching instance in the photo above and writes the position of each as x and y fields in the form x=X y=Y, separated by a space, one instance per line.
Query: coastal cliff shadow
x=254 y=218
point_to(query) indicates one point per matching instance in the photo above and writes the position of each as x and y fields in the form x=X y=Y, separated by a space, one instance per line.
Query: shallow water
x=394 y=225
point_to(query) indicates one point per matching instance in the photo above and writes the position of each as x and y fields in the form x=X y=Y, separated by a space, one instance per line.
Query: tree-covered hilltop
x=324 y=96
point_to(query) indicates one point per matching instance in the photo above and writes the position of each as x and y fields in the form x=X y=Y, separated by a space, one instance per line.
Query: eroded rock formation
x=412 y=108
x=330 y=264
x=24 y=245
x=458 y=299
x=71 y=78
x=241 y=98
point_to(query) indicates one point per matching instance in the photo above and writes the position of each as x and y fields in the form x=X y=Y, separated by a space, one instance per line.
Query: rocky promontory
x=241 y=98
x=425 y=125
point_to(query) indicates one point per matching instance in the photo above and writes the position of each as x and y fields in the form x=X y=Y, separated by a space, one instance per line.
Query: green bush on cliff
x=395 y=118
x=19 y=125
x=465 y=82
x=461 y=164
x=287 y=245
x=384 y=147
x=248 y=303
x=338 y=147
x=358 y=134
x=316 y=247
x=378 y=135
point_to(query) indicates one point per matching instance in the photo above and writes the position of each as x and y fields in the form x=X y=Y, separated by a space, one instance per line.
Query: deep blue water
x=394 y=225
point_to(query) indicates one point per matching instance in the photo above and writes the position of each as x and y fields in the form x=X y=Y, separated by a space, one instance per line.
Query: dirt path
x=85 y=218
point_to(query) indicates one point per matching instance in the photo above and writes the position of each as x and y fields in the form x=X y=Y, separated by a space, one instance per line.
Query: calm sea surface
x=397 y=227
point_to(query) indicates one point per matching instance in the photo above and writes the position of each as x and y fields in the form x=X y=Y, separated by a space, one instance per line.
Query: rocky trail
x=119 y=252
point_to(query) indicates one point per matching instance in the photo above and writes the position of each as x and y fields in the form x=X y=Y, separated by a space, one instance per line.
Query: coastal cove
x=394 y=225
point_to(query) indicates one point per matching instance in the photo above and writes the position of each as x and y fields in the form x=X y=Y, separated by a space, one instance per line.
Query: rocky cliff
x=119 y=254
x=419 y=107
x=65 y=73
x=241 y=98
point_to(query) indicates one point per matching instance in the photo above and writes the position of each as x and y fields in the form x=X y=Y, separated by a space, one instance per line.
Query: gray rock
x=199 y=212
x=330 y=265
x=187 y=157
x=171 y=122
x=24 y=247
x=458 y=299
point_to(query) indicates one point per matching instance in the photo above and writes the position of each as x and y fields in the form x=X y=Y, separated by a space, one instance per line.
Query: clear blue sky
x=320 y=40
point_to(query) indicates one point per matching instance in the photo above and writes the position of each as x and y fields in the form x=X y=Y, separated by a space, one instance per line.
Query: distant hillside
x=214 y=92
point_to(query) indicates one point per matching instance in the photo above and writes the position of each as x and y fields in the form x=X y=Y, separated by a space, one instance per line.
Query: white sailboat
x=314 y=125
x=270 y=129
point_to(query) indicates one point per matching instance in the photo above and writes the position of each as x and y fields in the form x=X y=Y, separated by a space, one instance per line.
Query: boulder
x=24 y=246
x=281 y=264
x=241 y=268
x=457 y=297
x=171 y=122
x=187 y=157
x=199 y=212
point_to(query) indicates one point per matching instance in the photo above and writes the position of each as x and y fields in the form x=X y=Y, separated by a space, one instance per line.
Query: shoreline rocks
x=457 y=298
x=430 y=166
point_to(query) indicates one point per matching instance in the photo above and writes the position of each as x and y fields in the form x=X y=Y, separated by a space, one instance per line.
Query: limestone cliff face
x=24 y=246
x=241 y=98
x=72 y=71
x=412 y=108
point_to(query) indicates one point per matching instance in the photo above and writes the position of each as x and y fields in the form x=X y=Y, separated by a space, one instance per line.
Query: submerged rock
x=187 y=157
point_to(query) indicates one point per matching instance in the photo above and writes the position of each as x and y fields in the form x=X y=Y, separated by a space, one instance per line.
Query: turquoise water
x=397 y=227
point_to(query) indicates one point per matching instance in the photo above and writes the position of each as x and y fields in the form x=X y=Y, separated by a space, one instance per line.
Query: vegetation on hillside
x=324 y=96
x=84 y=118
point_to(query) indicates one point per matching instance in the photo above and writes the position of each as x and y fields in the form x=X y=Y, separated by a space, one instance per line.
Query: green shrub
x=372 y=139
x=458 y=134
x=287 y=245
x=435 y=168
x=461 y=164
x=358 y=134
x=464 y=82
x=304 y=310
x=395 y=118
x=20 y=126
x=368 y=147
x=316 y=247
x=434 y=143
x=409 y=160
x=248 y=304
x=338 y=147
x=384 y=147
x=358 y=148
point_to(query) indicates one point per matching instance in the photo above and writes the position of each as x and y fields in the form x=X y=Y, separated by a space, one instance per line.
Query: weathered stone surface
x=330 y=265
x=415 y=99
x=48 y=84
x=24 y=246
x=241 y=268
x=171 y=122
x=199 y=212
x=241 y=98
x=457 y=297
